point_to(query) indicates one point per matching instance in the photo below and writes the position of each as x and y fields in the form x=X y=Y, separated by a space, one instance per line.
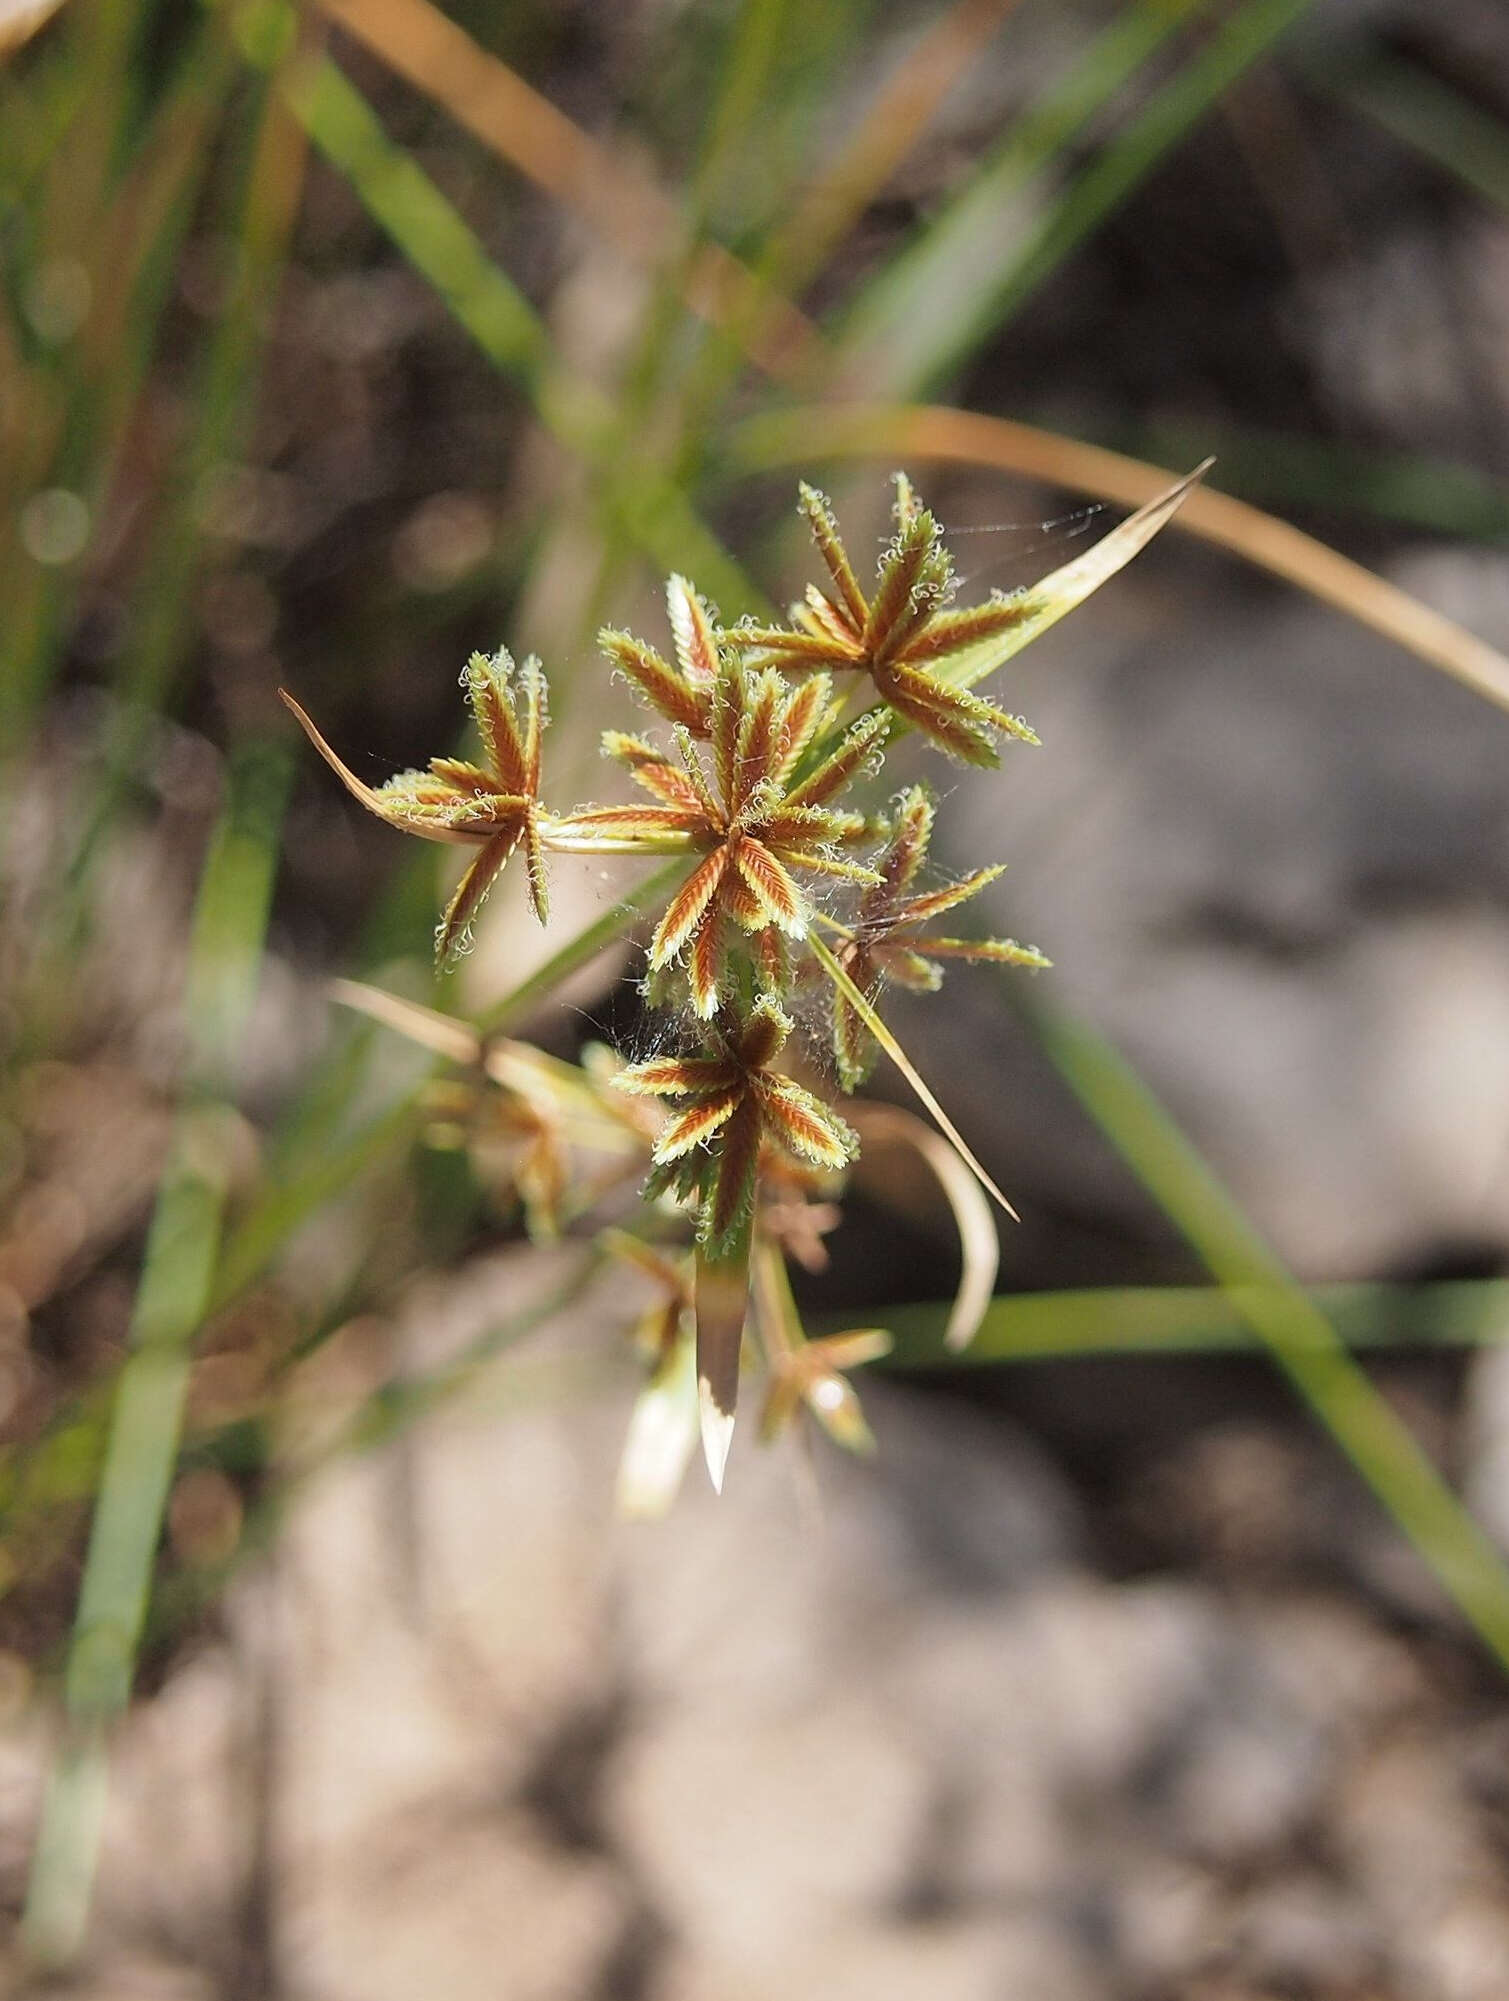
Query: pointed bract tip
x=717 y=1432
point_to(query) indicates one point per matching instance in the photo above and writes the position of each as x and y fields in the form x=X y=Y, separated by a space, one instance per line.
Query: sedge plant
x=762 y=735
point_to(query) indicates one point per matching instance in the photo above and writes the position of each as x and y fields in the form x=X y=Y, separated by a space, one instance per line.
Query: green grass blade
x=1271 y=467
x=1289 y=1323
x=272 y=171
x=939 y=340
x=743 y=74
x=653 y=513
x=1424 y=114
x=1135 y=151
x=937 y=298
x=174 y=1292
x=774 y=92
x=142 y=234
x=1194 y=1320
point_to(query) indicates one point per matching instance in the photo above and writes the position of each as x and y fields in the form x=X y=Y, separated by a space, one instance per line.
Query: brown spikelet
x=688 y=907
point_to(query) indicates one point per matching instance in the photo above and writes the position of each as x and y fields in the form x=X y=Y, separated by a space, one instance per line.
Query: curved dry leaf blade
x=456 y=1040
x=600 y=183
x=908 y=1069
x=366 y=794
x=979 y=1245
x=960 y=437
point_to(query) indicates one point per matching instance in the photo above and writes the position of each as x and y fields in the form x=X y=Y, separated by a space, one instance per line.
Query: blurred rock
x=884 y=1735
x=974 y=1961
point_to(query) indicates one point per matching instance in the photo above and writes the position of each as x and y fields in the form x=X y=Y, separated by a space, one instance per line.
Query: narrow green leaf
x=172 y=1299
x=940 y=296
x=1421 y=112
x=649 y=508
x=1289 y=1323
x=1195 y=1320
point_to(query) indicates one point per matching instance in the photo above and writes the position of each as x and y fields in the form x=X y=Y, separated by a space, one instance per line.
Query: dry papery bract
x=762 y=774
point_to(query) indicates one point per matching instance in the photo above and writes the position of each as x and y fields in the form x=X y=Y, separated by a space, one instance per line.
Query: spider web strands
x=1287 y=1321
x=1045 y=603
x=908 y=1069
x=937 y=434
x=1038 y=608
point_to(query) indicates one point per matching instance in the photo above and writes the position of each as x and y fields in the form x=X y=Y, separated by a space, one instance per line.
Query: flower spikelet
x=682 y=693
x=903 y=635
x=734 y=1101
x=493 y=806
x=751 y=806
x=884 y=941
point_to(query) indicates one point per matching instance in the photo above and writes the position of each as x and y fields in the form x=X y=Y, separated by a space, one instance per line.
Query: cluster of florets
x=771 y=729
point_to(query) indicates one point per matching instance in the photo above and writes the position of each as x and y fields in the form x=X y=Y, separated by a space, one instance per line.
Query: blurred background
x=1151 y=1655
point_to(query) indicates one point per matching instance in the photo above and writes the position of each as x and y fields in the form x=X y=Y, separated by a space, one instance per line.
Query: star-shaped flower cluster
x=758 y=790
x=493 y=806
x=903 y=636
x=737 y=1102
x=761 y=816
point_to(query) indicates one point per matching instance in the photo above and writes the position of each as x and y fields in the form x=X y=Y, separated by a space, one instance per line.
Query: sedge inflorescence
x=758 y=769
